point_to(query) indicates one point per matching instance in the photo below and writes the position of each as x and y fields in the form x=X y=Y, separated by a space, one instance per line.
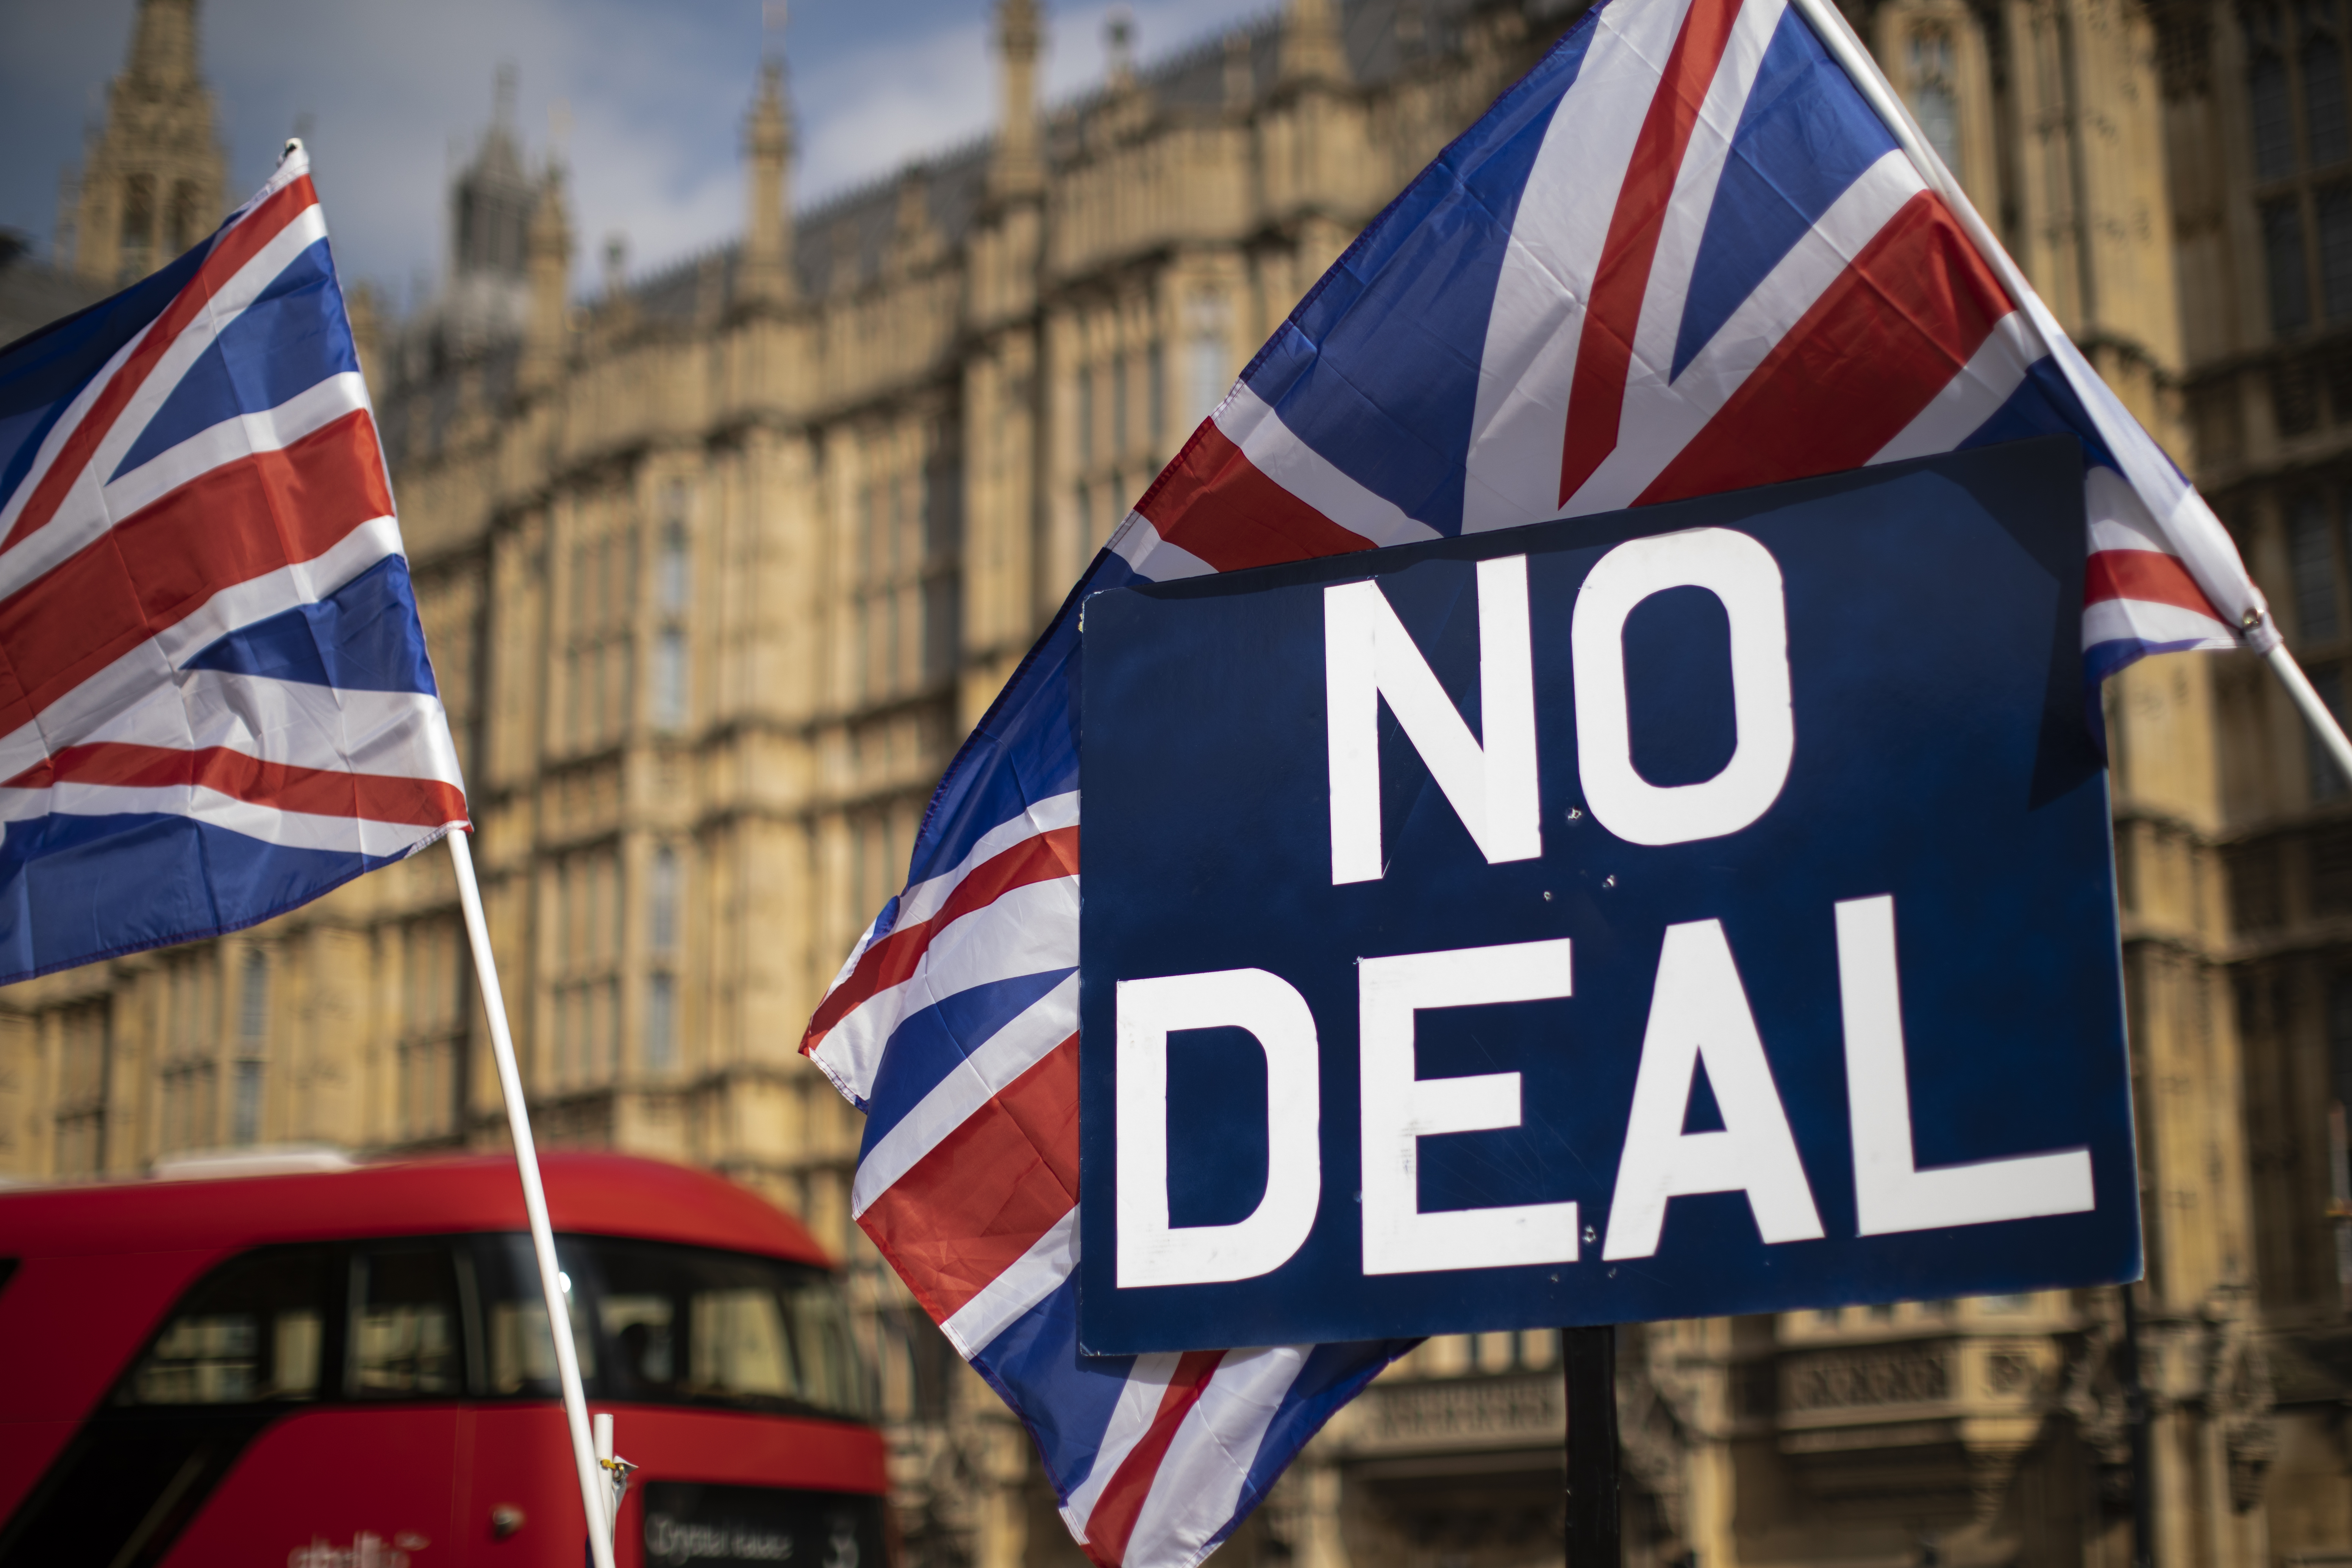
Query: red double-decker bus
x=353 y=1369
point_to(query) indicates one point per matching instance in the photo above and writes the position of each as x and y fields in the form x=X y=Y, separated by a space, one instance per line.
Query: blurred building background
x=719 y=566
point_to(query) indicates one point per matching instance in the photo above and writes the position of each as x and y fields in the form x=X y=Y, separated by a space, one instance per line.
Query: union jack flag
x=215 y=701
x=1684 y=255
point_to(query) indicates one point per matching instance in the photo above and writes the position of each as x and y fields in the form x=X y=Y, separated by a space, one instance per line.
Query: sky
x=644 y=100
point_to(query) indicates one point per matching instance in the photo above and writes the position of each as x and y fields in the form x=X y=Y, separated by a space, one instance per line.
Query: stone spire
x=152 y=181
x=767 y=274
x=1017 y=169
x=1119 y=49
x=164 y=44
x=546 y=335
x=1311 y=50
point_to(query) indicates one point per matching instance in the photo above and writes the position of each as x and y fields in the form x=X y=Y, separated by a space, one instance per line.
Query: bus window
x=739 y=1345
x=645 y=1348
x=669 y=1324
x=521 y=1352
x=250 y=1334
x=404 y=1325
x=832 y=1377
x=686 y=1324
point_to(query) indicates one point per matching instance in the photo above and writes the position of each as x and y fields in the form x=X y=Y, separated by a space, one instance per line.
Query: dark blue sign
x=1699 y=910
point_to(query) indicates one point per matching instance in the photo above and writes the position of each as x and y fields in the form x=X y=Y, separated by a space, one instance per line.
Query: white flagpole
x=2145 y=466
x=593 y=1490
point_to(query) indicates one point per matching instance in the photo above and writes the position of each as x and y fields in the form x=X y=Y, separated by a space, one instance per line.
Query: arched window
x=2266 y=96
x=1935 y=94
x=252 y=1047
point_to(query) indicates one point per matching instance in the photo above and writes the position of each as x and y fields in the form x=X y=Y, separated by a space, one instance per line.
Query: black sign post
x=1595 y=1533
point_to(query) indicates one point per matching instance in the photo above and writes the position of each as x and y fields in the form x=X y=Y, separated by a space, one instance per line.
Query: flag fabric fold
x=1682 y=255
x=215 y=698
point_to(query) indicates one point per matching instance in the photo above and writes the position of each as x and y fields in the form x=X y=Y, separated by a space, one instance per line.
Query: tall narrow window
x=1205 y=368
x=2334 y=211
x=252 y=1047
x=1155 y=391
x=1934 y=99
x=2325 y=132
x=2327 y=782
x=1085 y=415
x=1119 y=433
x=662 y=924
x=661 y=1022
x=612 y=914
x=861 y=630
x=942 y=600
x=2283 y=262
x=85 y=1087
x=2310 y=554
x=2339 y=1127
x=671 y=581
x=669 y=677
x=190 y=1066
x=587 y=982
x=580 y=717
x=431 y=1028
x=2274 y=116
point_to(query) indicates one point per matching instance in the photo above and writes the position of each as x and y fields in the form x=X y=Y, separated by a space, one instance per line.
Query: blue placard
x=1699 y=910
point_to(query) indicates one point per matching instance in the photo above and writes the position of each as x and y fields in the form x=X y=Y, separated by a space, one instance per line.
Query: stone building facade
x=718 y=565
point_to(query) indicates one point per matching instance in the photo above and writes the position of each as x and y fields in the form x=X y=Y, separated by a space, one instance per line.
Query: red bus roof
x=593 y=1195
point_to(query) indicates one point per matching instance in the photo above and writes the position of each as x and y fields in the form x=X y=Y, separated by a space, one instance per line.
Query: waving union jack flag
x=214 y=702
x=1685 y=255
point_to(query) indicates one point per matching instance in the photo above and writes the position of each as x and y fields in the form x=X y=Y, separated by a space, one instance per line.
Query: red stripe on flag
x=315 y=791
x=2148 y=574
x=1120 y=1503
x=1596 y=396
x=1880 y=342
x=987 y=1191
x=241 y=521
x=895 y=957
x=237 y=246
x=1213 y=501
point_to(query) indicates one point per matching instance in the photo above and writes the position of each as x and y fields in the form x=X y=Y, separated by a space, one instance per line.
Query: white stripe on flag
x=1529 y=357
x=1249 y=422
x=1024 y=932
x=1975 y=395
x=13 y=506
x=1130 y=1418
x=273 y=430
x=926 y=897
x=1660 y=420
x=1138 y=544
x=1199 y=1484
x=989 y=1071
x=1682 y=230
x=2112 y=620
x=1034 y=1276
x=293 y=722
x=132 y=678
x=290 y=829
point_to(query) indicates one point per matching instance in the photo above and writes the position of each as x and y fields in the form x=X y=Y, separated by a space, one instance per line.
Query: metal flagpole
x=592 y=1490
x=1846 y=48
x=1595 y=1527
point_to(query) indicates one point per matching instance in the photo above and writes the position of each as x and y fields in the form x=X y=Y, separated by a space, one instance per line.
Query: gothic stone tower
x=152 y=184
